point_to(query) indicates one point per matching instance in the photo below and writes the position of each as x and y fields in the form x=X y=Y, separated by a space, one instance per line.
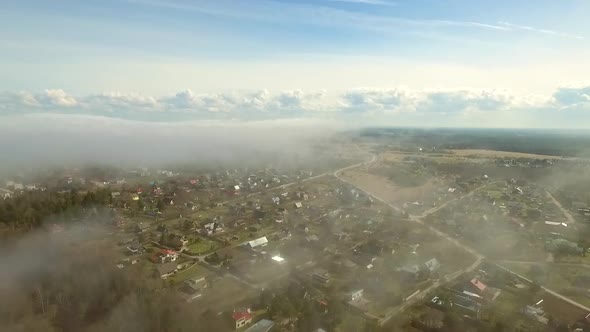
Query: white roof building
x=258 y=242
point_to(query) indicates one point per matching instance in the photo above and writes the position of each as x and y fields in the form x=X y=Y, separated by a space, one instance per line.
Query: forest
x=33 y=209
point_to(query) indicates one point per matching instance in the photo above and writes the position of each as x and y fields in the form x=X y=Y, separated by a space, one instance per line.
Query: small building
x=432 y=265
x=5 y=193
x=165 y=255
x=242 y=318
x=479 y=286
x=166 y=269
x=260 y=242
x=467 y=305
x=535 y=313
x=356 y=295
x=410 y=272
x=135 y=248
x=278 y=259
x=321 y=276
x=193 y=288
x=298 y=205
x=141 y=227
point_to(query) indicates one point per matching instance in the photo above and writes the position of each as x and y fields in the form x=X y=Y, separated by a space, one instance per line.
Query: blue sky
x=406 y=62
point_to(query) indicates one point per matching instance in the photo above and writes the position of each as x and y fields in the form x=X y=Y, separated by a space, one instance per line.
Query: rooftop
x=263 y=325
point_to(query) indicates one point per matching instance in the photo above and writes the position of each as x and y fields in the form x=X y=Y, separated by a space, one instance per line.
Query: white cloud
x=48 y=98
x=512 y=26
x=379 y=100
x=271 y=11
x=401 y=104
x=573 y=97
x=436 y=100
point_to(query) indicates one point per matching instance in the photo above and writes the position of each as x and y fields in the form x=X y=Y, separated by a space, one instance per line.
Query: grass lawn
x=193 y=271
x=202 y=246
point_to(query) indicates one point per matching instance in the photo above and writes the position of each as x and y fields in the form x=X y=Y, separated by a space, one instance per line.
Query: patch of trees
x=304 y=311
x=33 y=208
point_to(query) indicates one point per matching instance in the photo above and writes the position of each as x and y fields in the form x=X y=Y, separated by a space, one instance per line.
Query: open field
x=224 y=294
x=387 y=189
x=500 y=154
x=561 y=310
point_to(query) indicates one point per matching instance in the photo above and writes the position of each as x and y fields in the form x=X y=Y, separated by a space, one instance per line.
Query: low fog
x=37 y=140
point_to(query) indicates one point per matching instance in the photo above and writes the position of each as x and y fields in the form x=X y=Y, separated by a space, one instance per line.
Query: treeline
x=32 y=209
x=545 y=142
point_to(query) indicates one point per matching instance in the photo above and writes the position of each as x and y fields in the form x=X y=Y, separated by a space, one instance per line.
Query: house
x=135 y=248
x=260 y=242
x=5 y=193
x=242 y=318
x=141 y=227
x=165 y=255
x=193 y=288
x=469 y=306
x=357 y=301
x=298 y=205
x=479 y=286
x=410 y=272
x=321 y=276
x=312 y=238
x=356 y=295
x=535 y=313
x=264 y=325
x=432 y=265
x=166 y=269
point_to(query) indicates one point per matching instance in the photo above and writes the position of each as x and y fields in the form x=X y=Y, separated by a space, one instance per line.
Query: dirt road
x=479 y=257
x=566 y=213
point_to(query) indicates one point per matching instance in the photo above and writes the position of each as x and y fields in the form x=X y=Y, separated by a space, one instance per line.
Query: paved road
x=479 y=257
x=566 y=213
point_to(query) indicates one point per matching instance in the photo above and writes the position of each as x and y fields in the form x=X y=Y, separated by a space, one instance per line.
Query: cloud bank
x=57 y=128
x=264 y=104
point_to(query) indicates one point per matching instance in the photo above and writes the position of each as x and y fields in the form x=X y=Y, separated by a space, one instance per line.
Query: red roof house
x=242 y=318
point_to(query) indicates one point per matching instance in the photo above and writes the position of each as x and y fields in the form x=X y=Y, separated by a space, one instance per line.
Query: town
x=377 y=238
